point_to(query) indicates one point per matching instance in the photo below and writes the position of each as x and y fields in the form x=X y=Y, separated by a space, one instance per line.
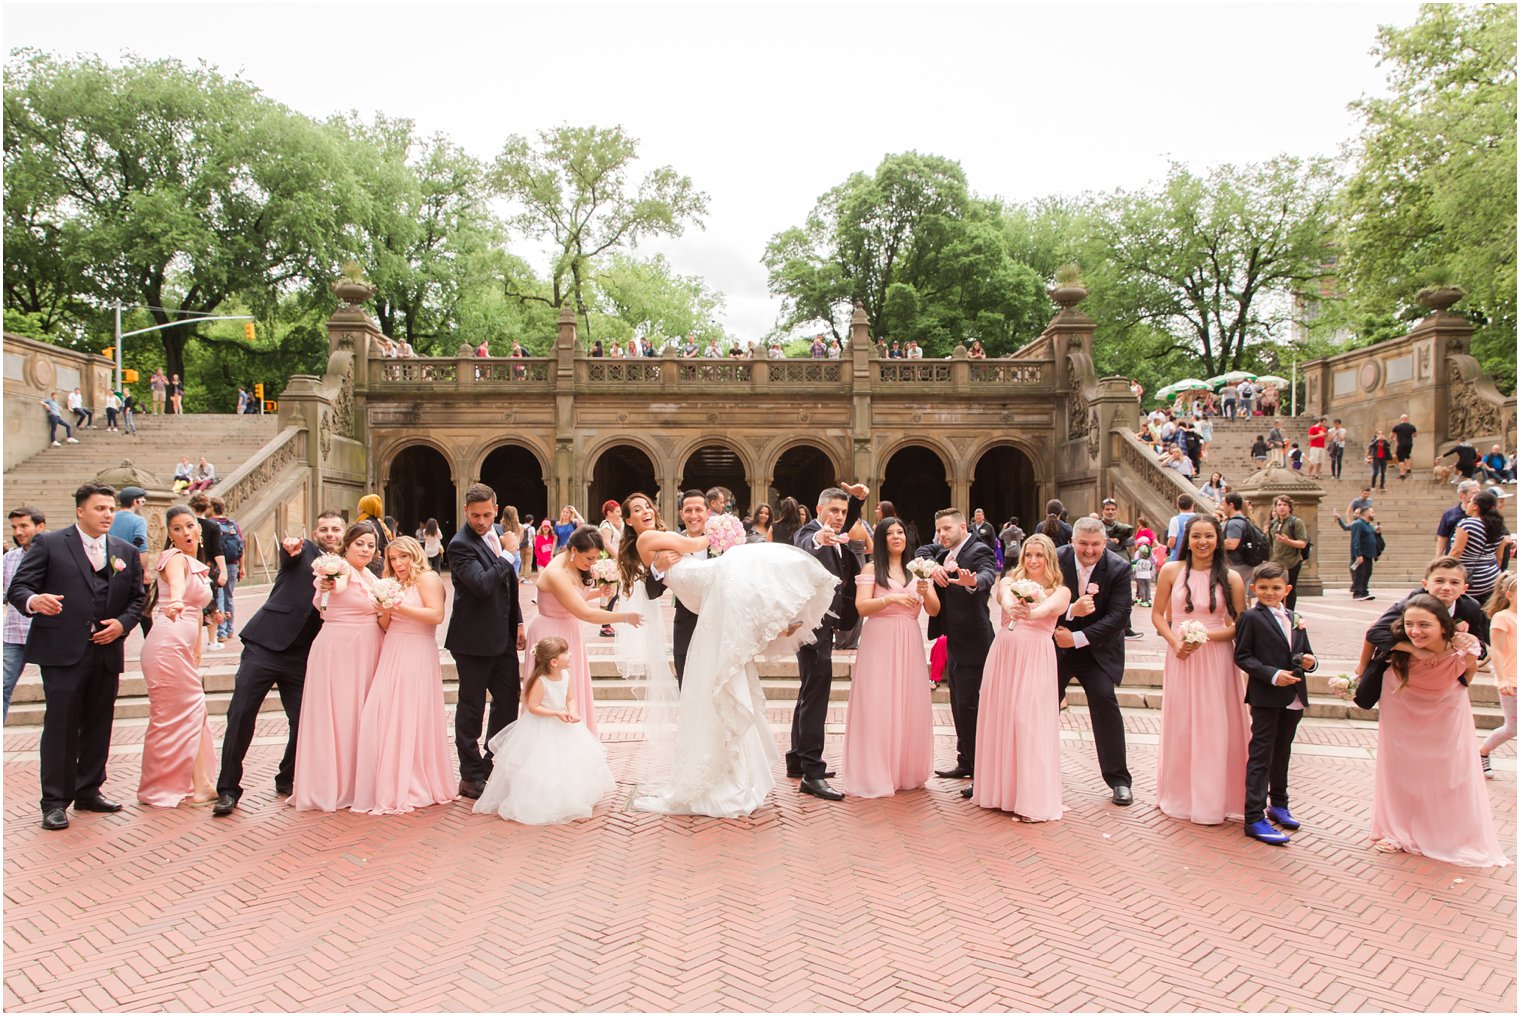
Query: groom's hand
x=522 y=637
x=857 y=490
x=664 y=561
x=1083 y=606
x=1063 y=637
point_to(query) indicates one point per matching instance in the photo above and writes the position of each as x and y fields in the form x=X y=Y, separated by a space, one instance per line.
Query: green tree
x=574 y=188
x=651 y=298
x=1433 y=195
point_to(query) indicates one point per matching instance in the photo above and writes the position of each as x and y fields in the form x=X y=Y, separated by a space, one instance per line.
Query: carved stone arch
x=775 y=449
x=657 y=454
x=393 y=448
x=481 y=451
x=947 y=455
x=1038 y=456
x=746 y=454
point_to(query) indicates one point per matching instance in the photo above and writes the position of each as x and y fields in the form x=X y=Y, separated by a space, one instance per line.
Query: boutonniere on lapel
x=1298 y=621
x=117 y=565
x=1092 y=589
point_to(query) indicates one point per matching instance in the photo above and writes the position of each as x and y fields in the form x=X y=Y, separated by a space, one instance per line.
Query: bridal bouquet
x=724 y=532
x=328 y=566
x=386 y=593
x=1343 y=686
x=921 y=568
x=604 y=572
x=1028 y=590
x=1193 y=633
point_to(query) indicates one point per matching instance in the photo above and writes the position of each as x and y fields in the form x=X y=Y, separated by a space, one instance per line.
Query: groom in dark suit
x=825 y=537
x=966 y=572
x=1090 y=642
x=486 y=614
x=694 y=518
x=83 y=589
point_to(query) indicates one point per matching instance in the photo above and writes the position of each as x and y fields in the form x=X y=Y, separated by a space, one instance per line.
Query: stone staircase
x=1408 y=510
x=48 y=479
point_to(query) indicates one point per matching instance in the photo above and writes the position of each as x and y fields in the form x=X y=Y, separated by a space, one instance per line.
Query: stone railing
x=1151 y=487
x=285 y=449
x=267 y=496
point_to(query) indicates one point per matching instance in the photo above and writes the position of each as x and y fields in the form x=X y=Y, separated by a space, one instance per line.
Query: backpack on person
x=1253 y=547
x=232 y=541
x=1380 y=544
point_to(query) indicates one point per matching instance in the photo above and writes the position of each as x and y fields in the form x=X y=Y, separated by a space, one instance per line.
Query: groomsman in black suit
x=83 y=589
x=825 y=537
x=966 y=571
x=1090 y=643
x=1274 y=652
x=276 y=641
x=694 y=511
x=486 y=613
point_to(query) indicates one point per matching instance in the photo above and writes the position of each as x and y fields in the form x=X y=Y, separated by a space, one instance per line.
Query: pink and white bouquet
x=328 y=566
x=1193 y=633
x=387 y=593
x=604 y=572
x=1028 y=590
x=724 y=532
x=921 y=568
x=1343 y=686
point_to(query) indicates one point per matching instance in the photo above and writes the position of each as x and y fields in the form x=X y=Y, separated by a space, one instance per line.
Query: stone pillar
x=1260 y=488
x=863 y=456
x=1116 y=406
x=302 y=404
x=564 y=481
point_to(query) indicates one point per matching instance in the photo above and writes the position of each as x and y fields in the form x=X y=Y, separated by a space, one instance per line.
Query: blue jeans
x=54 y=422
x=15 y=660
x=223 y=597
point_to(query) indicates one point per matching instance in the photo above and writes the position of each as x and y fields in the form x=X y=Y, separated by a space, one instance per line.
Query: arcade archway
x=716 y=465
x=514 y=473
x=419 y=486
x=1004 y=485
x=802 y=472
x=619 y=471
x=915 y=482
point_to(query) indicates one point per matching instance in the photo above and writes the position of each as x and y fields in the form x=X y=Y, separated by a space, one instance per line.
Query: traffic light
x=109 y=354
x=248 y=331
x=129 y=376
x=258 y=389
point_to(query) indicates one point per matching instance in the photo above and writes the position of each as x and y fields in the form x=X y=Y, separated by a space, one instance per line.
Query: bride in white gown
x=709 y=748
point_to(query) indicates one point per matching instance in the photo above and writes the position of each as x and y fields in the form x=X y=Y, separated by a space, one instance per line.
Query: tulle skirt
x=546 y=771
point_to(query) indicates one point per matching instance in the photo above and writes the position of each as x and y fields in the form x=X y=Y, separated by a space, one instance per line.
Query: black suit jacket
x=289 y=619
x=1466 y=609
x=963 y=612
x=1105 y=626
x=685 y=621
x=486 y=607
x=1261 y=651
x=56 y=563
x=842 y=563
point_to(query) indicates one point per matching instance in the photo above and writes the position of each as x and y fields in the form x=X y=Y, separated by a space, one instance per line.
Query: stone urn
x=1068 y=296
x=1439 y=298
x=353 y=292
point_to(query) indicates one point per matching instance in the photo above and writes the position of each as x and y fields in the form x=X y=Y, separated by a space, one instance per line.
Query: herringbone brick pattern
x=918 y=902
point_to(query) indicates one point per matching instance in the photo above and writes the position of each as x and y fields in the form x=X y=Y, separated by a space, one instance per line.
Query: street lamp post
x=158 y=328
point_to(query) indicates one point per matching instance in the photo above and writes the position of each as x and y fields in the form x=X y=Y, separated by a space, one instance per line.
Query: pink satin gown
x=403 y=751
x=554 y=619
x=1429 y=796
x=1018 y=724
x=1205 y=725
x=177 y=743
x=889 y=727
x=339 y=670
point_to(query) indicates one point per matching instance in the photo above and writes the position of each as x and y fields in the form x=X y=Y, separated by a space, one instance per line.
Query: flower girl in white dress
x=548 y=767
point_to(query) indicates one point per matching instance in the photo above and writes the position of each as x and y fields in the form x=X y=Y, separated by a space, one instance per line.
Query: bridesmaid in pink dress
x=403 y=753
x=178 y=759
x=562 y=608
x=1018 y=724
x=338 y=674
x=1205 y=726
x=1429 y=797
x=889 y=726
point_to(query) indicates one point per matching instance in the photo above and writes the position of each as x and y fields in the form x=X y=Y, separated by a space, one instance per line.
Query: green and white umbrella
x=1187 y=384
x=1232 y=377
x=1273 y=379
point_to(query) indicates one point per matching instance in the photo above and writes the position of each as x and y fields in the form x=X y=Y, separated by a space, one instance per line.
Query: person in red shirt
x=1317 y=434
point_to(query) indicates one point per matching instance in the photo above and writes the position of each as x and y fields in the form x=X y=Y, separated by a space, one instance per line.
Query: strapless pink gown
x=1018 y=724
x=403 y=752
x=889 y=727
x=178 y=738
x=1429 y=796
x=554 y=619
x=1205 y=725
x=339 y=670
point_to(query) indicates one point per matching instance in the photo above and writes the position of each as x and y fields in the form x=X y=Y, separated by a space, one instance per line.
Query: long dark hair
x=788 y=520
x=430 y=528
x=1398 y=659
x=169 y=517
x=1219 y=571
x=770 y=516
x=881 y=561
x=630 y=566
x=1051 y=527
x=583 y=538
x=1494 y=526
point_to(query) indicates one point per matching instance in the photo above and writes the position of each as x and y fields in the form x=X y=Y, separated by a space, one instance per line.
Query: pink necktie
x=494 y=542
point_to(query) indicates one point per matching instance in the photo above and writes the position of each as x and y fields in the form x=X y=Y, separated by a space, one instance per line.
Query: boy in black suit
x=1272 y=647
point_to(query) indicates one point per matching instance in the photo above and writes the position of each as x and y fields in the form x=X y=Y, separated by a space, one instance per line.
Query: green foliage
x=650 y=298
x=1433 y=196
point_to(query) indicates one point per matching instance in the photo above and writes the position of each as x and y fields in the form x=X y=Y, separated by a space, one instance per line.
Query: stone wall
x=32 y=369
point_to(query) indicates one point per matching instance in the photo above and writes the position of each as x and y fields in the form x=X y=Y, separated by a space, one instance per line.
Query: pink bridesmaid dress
x=1429 y=796
x=889 y=727
x=1018 y=724
x=177 y=745
x=403 y=753
x=1205 y=726
x=554 y=619
x=339 y=670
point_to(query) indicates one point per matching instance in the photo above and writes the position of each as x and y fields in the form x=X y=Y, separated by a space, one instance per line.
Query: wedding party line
x=348 y=637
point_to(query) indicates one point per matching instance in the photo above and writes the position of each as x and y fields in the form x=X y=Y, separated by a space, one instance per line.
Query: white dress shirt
x=1286 y=623
x=1084 y=576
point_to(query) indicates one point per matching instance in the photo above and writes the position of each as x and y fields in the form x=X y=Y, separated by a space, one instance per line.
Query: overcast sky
x=766 y=106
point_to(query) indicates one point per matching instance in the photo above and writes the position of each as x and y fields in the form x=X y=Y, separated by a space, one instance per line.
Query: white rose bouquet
x=1193 y=633
x=1028 y=590
x=387 y=593
x=328 y=566
x=724 y=532
x=604 y=572
x=921 y=568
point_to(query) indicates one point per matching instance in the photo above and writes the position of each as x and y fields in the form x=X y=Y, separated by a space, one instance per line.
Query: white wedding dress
x=708 y=748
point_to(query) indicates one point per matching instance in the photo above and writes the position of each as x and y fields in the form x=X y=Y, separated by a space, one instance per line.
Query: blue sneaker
x=1262 y=830
x=1283 y=818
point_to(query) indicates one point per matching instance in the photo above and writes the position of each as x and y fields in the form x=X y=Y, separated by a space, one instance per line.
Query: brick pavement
x=918 y=902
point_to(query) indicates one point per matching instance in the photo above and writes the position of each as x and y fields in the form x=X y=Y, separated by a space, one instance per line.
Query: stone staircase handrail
x=1163 y=485
x=262 y=468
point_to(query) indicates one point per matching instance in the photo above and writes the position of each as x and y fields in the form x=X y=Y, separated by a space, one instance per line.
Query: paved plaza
x=918 y=902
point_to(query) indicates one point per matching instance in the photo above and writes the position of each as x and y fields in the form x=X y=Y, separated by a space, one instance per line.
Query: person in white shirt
x=113 y=411
x=83 y=416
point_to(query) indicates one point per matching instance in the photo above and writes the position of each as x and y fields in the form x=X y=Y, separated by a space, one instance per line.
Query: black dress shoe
x=828 y=775
x=55 y=818
x=958 y=773
x=967 y=791
x=96 y=803
x=1122 y=796
x=225 y=805
x=283 y=789
x=472 y=789
x=819 y=788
